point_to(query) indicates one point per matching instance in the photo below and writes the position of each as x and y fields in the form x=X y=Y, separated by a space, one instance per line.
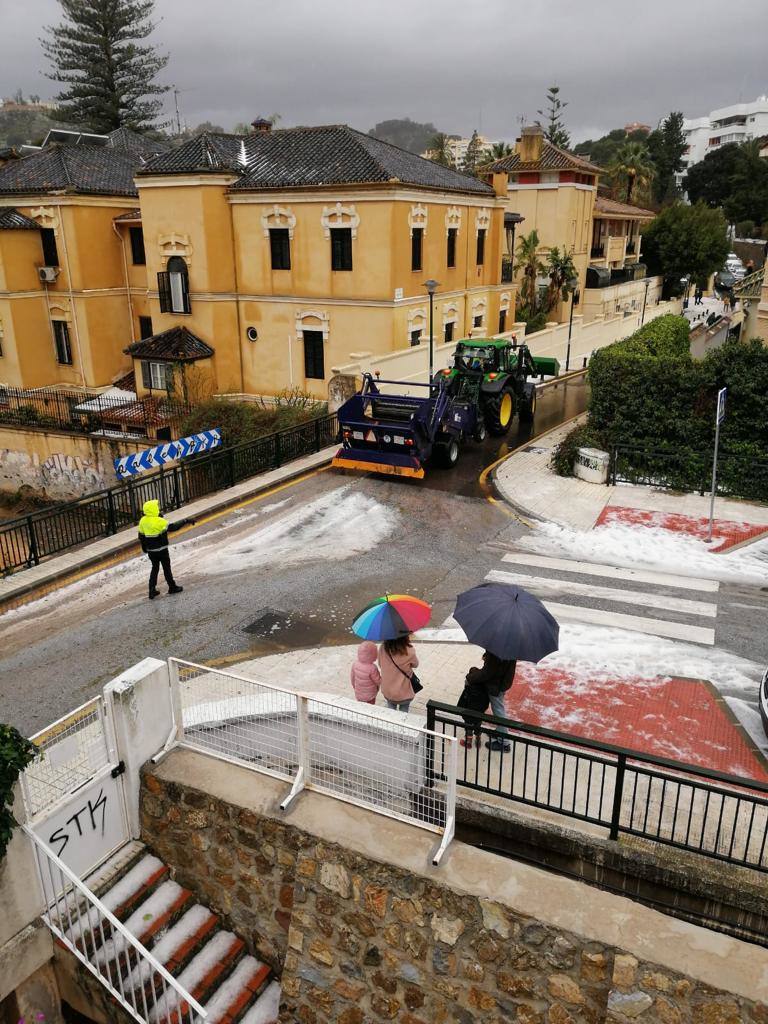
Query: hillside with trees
x=404 y=132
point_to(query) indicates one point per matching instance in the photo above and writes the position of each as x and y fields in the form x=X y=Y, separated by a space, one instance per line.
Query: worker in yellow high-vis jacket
x=153 y=537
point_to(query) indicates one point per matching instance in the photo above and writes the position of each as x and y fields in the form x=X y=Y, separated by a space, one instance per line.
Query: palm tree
x=497 y=151
x=561 y=272
x=632 y=164
x=440 y=151
x=532 y=267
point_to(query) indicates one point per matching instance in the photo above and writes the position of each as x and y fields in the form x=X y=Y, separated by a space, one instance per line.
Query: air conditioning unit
x=48 y=274
x=252 y=334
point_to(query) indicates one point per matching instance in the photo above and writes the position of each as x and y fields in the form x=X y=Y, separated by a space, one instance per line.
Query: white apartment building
x=458 y=148
x=738 y=123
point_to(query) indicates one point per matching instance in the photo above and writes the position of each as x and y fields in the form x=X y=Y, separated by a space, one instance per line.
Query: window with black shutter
x=50 y=253
x=341 y=248
x=477 y=321
x=63 y=347
x=314 y=356
x=450 y=256
x=280 y=248
x=156 y=376
x=480 y=259
x=173 y=287
x=449 y=333
x=415 y=337
x=137 y=247
x=145 y=327
x=417 y=238
x=502 y=320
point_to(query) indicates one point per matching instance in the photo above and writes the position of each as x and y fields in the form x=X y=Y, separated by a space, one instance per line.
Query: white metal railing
x=86 y=927
x=369 y=757
x=71 y=751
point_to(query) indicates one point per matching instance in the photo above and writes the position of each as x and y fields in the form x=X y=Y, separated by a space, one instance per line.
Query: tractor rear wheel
x=446 y=453
x=500 y=411
x=528 y=407
x=481 y=431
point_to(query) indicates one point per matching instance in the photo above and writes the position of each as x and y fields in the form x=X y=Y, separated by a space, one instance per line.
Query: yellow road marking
x=80 y=574
x=483 y=478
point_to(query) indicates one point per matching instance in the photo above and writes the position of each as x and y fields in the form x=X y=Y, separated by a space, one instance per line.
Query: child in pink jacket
x=364 y=674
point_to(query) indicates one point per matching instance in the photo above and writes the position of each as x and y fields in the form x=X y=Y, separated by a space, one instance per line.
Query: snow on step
x=187 y=926
x=661 y=579
x=159 y=903
x=643 y=599
x=102 y=876
x=228 y=992
x=266 y=1007
x=202 y=964
x=635 y=623
x=131 y=882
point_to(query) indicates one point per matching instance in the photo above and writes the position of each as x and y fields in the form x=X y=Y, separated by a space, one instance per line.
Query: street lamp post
x=645 y=300
x=574 y=286
x=431 y=285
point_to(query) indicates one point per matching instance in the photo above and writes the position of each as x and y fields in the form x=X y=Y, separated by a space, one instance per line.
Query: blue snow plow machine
x=399 y=434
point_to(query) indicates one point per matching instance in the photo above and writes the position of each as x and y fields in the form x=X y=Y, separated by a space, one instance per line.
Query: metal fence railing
x=689 y=470
x=104 y=946
x=70 y=753
x=380 y=761
x=26 y=541
x=84 y=413
x=679 y=805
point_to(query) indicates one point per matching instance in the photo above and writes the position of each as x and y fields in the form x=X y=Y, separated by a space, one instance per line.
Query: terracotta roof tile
x=607 y=206
x=552 y=159
x=12 y=220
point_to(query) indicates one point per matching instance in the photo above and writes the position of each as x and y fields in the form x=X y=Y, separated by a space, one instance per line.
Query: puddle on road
x=273 y=630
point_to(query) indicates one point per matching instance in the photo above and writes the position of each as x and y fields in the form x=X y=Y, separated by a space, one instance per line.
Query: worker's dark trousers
x=158 y=558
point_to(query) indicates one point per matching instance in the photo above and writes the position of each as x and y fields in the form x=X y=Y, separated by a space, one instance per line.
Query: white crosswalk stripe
x=641 y=600
x=609 y=603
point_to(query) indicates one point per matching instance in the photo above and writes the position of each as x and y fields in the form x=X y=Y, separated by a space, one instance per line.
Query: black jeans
x=158 y=558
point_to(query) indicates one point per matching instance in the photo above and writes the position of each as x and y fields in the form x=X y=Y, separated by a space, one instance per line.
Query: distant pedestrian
x=399 y=682
x=698 y=295
x=153 y=537
x=364 y=674
x=750 y=267
x=495 y=677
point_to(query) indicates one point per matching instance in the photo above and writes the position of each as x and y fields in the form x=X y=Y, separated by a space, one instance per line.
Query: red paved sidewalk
x=725 y=533
x=681 y=719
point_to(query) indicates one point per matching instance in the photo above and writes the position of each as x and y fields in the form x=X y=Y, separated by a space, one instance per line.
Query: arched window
x=173 y=287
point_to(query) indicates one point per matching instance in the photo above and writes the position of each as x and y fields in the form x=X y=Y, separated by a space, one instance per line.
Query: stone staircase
x=184 y=936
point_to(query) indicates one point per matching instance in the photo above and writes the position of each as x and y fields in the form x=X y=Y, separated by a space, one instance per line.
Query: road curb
x=113 y=548
x=500 y=490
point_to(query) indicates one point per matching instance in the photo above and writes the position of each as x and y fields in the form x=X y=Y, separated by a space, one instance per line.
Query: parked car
x=734 y=266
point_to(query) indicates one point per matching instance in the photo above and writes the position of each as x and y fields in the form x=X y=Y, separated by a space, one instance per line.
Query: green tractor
x=494 y=372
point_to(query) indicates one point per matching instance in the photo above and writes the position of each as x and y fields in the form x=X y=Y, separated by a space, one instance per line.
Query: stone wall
x=360 y=940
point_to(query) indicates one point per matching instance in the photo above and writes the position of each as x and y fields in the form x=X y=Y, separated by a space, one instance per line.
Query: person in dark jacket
x=153 y=537
x=495 y=678
x=473 y=698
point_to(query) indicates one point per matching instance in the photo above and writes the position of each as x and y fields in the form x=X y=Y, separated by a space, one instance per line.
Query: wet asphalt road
x=60 y=651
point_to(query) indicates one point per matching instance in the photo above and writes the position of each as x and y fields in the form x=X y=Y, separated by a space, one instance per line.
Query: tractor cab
x=476 y=358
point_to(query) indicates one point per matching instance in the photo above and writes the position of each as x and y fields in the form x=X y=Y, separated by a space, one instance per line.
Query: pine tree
x=108 y=75
x=555 y=129
x=472 y=156
x=666 y=146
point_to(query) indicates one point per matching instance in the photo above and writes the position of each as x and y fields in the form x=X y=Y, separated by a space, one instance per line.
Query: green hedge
x=647 y=392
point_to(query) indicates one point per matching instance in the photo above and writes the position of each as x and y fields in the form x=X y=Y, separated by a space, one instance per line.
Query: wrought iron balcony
x=631 y=248
x=597 y=251
x=506 y=269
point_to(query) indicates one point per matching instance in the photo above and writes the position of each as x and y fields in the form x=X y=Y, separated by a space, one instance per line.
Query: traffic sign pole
x=719 y=417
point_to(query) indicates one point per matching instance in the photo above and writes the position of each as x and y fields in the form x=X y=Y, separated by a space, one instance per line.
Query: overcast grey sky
x=458 y=63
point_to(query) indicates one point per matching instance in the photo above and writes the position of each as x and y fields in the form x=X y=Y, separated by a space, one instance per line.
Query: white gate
x=73 y=790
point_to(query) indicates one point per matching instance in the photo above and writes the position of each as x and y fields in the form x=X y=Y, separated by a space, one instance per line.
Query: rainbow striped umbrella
x=391 y=616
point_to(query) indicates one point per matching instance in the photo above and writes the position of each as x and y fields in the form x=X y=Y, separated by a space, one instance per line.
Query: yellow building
x=554 y=192
x=65 y=309
x=284 y=253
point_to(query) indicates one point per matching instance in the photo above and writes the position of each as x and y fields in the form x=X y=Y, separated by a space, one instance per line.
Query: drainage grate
x=536 y=448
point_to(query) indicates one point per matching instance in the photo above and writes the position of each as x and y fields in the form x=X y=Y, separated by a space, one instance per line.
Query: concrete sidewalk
x=20 y=585
x=527 y=483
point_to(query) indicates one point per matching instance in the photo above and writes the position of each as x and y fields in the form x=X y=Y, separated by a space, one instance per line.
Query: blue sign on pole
x=721 y=396
x=170 y=451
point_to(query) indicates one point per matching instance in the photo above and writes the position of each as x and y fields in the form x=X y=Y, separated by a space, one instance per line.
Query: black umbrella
x=507 y=621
